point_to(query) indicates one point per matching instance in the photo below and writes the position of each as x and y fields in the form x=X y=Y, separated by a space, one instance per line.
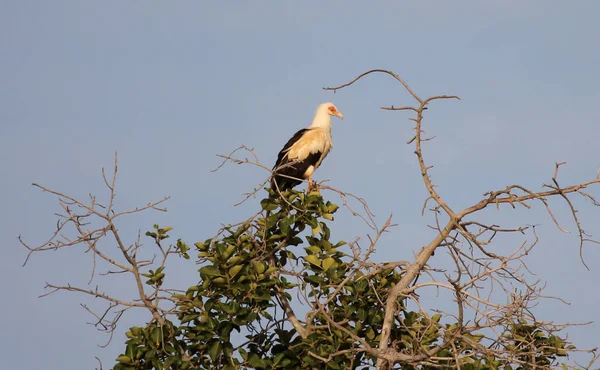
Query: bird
x=305 y=151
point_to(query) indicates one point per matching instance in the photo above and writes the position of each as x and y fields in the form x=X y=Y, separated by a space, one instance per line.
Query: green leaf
x=362 y=314
x=315 y=230
x=243 y=354
x=235 y=260
x=169 y=361
x=313 y=249
x=330 y=207
x=315 y=279
x=271 y=270
x=219 y=280
x=256 y=361
x=278 y=358
x=214 y=350
x=333 y=365
x=228 y=348
x=124 y=359
x=272 y=221
x=361 y=286
x=370 y=333
x=131 y=350
x=312 y=259
x=229 y=251
x=209 y=271
x=136 y=330
x=235 y=270
x=268 y=204
x=188 y=318
x=313 y=197
x=277 y=236
x=286 y=223
x=329 y=263
x=156 y=335
x=325 y=231
x=259 y=267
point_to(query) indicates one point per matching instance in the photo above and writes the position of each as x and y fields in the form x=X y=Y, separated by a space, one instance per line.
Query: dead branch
x=73 y=230
x=478 y=265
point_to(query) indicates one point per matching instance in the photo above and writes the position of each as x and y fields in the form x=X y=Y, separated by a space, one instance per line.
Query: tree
x=279 y=291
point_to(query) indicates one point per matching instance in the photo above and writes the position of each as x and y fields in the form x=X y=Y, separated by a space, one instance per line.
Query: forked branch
x=476 y=266
x=74 y=229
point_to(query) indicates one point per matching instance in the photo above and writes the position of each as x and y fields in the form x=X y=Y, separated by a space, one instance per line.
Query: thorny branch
x=365 y=214
x=480 y=282
x=74 y=228
x=356 y=206
x=480 y=270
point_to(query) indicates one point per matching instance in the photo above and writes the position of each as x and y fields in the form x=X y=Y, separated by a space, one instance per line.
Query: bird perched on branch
x=305 y=151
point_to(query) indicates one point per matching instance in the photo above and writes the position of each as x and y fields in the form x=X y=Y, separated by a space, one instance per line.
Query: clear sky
x=168 y=85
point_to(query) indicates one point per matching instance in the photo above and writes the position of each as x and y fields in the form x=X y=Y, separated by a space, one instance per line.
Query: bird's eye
x=332 y=109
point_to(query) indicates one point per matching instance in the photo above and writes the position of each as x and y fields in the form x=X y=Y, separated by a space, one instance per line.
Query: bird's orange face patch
x=332 y=109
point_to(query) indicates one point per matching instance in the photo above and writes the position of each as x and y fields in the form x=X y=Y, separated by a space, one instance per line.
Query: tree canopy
x=279 y=291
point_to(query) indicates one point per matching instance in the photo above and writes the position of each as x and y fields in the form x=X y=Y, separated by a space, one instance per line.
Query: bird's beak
x=339 y=114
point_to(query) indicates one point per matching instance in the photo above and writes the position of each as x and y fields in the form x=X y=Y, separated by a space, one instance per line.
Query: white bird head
x=330 y=109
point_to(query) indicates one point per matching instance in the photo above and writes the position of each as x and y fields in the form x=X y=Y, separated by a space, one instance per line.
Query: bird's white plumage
x=316 y=140
x=307 y=148
x=313 y=141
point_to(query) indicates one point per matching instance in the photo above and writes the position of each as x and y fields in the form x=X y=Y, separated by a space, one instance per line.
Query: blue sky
x=168 y=85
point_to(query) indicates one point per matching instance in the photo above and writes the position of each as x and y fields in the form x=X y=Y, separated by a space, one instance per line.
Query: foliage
x=235 y=317
x=257 y=277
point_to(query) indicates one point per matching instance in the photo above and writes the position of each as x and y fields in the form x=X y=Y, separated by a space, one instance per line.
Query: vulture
x=305 y=151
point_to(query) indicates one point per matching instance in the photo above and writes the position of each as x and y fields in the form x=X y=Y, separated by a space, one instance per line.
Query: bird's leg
x=312 y=185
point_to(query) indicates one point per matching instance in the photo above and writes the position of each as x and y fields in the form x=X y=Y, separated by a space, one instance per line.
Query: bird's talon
x=313 y=186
